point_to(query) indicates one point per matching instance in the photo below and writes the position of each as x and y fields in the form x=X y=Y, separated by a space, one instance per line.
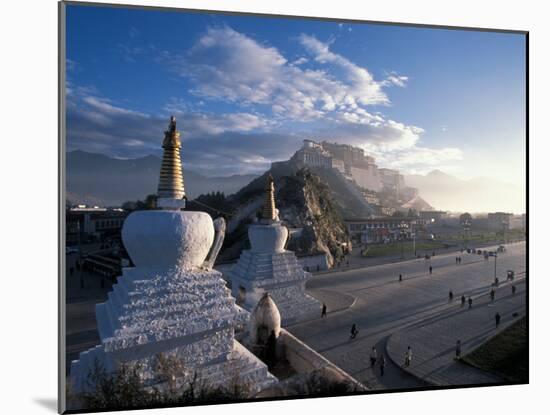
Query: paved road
x=84 y=291
x=433 y=340
x=384 y=306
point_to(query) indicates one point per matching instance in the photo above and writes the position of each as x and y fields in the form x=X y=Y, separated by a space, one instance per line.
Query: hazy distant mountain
x=447 y=192
x=417 y=203
x=101 y=180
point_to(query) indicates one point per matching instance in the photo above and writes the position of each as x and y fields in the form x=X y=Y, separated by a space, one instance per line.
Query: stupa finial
x=171 y=190
x=269 y=212
x=172 y=126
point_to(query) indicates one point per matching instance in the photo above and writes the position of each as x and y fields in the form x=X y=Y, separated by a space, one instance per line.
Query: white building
x=355 y=165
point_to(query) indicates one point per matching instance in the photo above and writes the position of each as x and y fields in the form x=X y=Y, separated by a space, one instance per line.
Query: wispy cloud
x=213 y=143
x=418 y=159
x=361 y=88
x=394 y=79
x=331 y=98
x=300 y=61
x=227 y=65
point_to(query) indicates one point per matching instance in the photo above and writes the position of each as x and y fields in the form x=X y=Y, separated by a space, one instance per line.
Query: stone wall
x=304 y=359
x=311 y=262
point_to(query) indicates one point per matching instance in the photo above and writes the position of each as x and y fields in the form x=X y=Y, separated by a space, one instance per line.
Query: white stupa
x=172 y=302
x=268 y=267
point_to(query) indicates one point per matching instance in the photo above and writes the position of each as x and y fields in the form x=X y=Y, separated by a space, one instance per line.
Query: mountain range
x=450 y=193
x=96 y=179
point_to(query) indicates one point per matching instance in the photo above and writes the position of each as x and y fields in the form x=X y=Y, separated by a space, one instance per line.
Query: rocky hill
x=346 y=196
x=305 y=203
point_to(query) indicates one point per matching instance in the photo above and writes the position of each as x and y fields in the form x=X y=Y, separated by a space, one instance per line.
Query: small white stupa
x=264 y=319
x=172 y=302
x=268 y=267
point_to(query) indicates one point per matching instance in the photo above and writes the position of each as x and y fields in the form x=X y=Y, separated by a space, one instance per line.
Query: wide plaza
x=392 y=315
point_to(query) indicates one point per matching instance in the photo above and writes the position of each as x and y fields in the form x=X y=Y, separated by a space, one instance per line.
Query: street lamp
x=466 y=228
x=402 y=226
x=495 y=267
x=79 y=241
x=466 y=222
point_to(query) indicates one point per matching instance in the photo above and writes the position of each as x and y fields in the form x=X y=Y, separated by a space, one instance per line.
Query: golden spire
x=171 y=173
x=269 y=212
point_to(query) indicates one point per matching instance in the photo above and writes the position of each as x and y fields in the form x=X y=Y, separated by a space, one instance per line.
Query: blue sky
x=247 y=90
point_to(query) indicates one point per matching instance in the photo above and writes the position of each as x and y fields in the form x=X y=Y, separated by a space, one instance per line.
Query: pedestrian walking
x=324 y=310
x=431 y=270
x=373 y=356
x=470 y=301
x=458 y=350
x=353 y=331
x=497 y=320
x=460 y=260
x=513 y=289
x=492 y=295
x=451 y=295
x=400 y=277
x=408 y=356
x=382 y=365
x=456 y=260
x=462 y=300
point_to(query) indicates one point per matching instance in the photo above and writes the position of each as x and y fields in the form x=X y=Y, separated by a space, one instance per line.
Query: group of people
x=463 y=300
x=381 y=361
x=492 y=295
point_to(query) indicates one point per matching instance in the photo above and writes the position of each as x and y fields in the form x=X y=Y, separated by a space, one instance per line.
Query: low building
x=499 y=221
x=376 y=230
x=517 y=222
x=86 y=224
x=433 y=216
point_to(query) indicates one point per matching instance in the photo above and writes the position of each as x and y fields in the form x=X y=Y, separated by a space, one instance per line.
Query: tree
x=149 y=203
x=465 y=219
